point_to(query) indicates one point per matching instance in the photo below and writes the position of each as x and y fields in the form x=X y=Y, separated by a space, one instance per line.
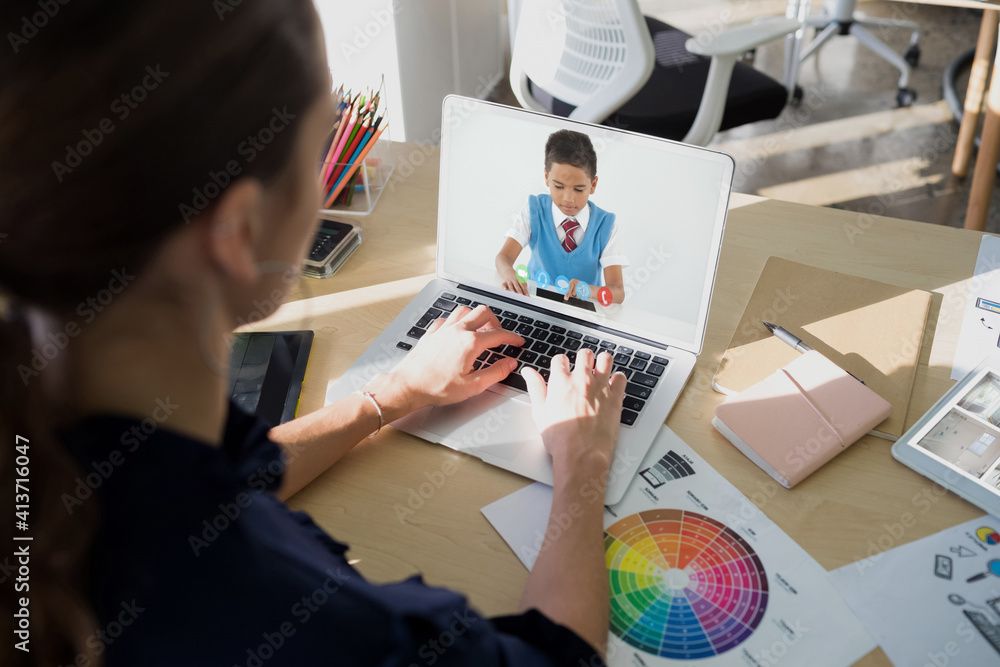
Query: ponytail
x=52 y=577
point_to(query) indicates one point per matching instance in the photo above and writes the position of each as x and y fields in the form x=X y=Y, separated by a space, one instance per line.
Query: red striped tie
x=569 y=226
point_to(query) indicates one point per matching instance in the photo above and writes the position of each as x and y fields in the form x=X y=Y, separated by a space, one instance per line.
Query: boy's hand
x=516 y=286
x=438 y=371
x=505 y=267
x=571 y=292
x=512 y=284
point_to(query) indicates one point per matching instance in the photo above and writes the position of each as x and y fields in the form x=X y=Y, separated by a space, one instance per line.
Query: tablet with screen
x=957 y=443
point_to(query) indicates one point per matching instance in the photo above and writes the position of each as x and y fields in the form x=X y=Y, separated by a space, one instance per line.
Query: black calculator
x=334 y=242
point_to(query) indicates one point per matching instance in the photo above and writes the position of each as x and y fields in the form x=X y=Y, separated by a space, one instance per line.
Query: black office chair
x=604 y=62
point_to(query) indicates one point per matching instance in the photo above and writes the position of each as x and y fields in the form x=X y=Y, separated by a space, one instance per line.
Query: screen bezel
x=455 y=103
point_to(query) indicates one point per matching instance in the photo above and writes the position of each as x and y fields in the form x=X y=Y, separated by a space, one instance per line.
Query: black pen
x=787 y=337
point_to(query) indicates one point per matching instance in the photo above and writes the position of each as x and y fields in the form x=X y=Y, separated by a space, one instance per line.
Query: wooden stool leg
x=985 y=174
x=974 y=95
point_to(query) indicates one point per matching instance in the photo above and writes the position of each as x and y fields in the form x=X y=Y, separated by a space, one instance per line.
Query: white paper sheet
x=702 y=575
x=981 y=323
x=919 y=600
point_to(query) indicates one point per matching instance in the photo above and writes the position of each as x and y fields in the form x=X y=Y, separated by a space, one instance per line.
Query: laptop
x=670 y=202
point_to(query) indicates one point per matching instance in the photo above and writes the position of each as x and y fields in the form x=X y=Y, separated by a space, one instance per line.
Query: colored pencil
x=351 y=127
x=345 y=118
x=357 y=163
x=362 y=121
x=344 y=161
x=359 y=145
x=341 y=124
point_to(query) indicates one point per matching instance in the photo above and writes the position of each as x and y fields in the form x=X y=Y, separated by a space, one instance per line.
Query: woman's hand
x=579 y=411
x=438 y=370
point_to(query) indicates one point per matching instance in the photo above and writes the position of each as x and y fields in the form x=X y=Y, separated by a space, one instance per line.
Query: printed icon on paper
x=562 y=284
x=582 y=290
x=942 y=566
x=542 y=279
x=604 y=296
x=522 y=273
x=986 y=304
x=963 y=552
x=671 y=466
x=993 y=567
x=988 y=535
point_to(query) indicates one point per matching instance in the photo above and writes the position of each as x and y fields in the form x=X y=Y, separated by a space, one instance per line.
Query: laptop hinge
x=568 y=318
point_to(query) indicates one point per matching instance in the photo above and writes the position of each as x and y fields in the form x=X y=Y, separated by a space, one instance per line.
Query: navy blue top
x=195 y=562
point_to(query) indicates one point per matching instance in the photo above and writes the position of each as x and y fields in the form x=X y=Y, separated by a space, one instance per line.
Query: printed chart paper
x=698 y=573
x=980 y=336
x=935 y=601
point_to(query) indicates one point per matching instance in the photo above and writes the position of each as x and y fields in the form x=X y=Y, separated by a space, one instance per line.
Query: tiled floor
x=847 y=145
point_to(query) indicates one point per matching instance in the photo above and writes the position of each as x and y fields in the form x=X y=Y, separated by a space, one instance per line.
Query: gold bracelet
x=378 y=408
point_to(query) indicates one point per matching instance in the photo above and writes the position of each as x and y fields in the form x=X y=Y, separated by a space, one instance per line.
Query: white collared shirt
x=520 y=231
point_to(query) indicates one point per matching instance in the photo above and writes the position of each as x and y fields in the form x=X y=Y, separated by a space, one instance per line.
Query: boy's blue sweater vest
x=547 y=254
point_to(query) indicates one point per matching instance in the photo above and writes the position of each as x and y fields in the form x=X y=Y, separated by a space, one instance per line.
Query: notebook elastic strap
x=816 y=409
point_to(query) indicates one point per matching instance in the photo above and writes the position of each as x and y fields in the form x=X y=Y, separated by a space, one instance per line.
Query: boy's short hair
x=572 y=148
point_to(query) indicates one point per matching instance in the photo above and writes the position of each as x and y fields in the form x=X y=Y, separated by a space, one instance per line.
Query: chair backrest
x=592 y=54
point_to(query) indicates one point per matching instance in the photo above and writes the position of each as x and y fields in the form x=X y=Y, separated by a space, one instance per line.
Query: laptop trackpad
x=488 y=424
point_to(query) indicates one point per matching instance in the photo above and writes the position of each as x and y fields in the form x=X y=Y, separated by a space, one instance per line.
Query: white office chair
x=839 y=17
x=603 y=61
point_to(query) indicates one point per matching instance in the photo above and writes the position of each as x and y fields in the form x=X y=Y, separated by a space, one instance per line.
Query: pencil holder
x=356 y=186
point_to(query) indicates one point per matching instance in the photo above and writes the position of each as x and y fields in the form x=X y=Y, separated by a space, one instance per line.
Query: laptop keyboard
x=542 y=341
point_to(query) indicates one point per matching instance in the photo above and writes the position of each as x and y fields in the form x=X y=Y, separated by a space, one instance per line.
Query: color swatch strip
x=671 y=466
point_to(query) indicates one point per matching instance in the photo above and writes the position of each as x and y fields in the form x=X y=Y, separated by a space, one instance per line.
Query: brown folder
x=870 y=329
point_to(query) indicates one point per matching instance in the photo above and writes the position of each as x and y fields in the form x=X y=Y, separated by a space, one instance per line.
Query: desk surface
x=406 y=506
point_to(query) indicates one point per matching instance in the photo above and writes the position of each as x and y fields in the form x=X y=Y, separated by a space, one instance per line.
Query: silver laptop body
x=670 y=202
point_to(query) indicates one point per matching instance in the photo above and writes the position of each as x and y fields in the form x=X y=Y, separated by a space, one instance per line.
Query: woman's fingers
x=480 y=318
x=584 y=361
x=493 y=373
x=604 y=364
x=495 y=337
x=537 y=389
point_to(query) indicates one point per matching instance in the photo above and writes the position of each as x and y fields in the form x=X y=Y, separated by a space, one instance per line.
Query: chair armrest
x=724 y=49
x=519 y=86
x=740 y=39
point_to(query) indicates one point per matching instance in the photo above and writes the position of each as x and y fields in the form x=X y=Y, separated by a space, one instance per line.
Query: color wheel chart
x=683 y=585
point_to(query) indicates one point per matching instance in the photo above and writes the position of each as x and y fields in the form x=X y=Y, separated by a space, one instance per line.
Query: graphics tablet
x=266 y=372
x=957 y=443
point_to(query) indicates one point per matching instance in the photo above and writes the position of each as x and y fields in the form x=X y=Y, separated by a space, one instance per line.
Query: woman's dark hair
x=572 y=148
x=119 y=121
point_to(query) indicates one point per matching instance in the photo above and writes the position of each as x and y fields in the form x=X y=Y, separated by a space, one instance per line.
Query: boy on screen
x=568 y=235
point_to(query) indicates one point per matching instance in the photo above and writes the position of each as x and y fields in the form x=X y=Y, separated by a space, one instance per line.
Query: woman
x=156 y=157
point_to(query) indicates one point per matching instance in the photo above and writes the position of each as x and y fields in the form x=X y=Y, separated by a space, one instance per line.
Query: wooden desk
x=839 y=515
x=984 y=176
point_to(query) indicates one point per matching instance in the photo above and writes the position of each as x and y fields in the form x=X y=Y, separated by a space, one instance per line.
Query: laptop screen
x=629 y=226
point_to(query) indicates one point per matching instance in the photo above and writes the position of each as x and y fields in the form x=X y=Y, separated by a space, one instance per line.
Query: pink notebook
x=801 y=416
